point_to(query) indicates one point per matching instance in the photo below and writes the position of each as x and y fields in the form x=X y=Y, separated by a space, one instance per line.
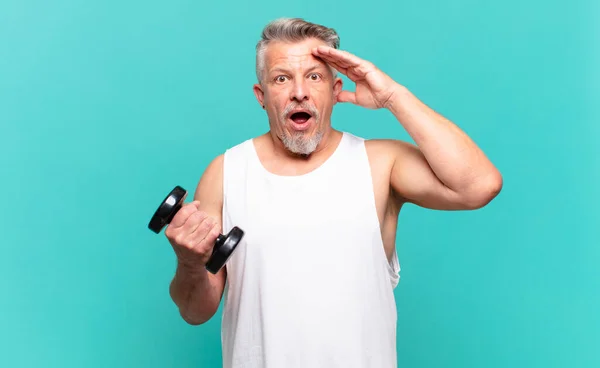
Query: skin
x=444 y=170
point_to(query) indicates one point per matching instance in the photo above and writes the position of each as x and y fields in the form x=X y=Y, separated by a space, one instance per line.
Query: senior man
x=311 y=284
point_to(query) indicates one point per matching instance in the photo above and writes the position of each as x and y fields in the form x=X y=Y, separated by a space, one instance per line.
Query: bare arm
x=196 y=292
x=446 y=169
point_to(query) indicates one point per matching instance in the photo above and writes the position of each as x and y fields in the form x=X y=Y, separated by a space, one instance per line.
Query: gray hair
x=292 y=30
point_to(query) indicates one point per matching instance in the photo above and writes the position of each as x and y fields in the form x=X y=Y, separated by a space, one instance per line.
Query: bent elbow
x=484 y=192
x=196 y=320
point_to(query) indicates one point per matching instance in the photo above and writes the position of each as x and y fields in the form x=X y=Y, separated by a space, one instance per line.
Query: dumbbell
x=224 y=245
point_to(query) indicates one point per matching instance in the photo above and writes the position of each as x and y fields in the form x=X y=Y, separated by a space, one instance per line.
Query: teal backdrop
x=106 y=105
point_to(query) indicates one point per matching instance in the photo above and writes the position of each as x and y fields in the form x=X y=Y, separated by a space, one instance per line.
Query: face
x=298 y=92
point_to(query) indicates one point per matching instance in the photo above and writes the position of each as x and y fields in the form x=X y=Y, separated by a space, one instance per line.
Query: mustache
x=311 y=109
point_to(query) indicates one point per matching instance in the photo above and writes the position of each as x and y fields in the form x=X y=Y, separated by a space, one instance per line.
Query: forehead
x=294 y=55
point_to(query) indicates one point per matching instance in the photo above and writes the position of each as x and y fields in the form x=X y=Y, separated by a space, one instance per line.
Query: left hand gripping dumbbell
x=224 y=245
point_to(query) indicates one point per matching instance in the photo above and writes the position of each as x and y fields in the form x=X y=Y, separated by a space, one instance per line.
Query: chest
x=311 y=207
x=309 y=222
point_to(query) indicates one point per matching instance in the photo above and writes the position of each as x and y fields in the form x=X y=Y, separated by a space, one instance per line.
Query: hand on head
x=374 y=89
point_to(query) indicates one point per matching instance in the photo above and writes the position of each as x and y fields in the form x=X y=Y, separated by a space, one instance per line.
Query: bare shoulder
x=388 y=148
x=383 y=153
x=389 y=160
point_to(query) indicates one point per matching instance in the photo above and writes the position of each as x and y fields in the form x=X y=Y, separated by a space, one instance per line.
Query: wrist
x=398 y=96
x=191 y=270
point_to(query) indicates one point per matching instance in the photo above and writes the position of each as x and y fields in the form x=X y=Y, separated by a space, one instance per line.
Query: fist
x=192 y=233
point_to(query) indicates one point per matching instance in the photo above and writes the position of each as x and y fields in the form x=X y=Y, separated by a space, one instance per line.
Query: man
x=311 y=284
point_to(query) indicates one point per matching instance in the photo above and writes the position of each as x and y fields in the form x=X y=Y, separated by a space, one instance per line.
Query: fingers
x=334 y=63
x=351 y=66
x=208 y=241
x=347 y=96
x=186 y=222
x=338 y=67
x=194 y=222
x=201 y=231
x=184 y=212
x=342 y=58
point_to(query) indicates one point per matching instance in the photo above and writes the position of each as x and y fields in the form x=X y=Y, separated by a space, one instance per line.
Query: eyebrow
x=309 y=69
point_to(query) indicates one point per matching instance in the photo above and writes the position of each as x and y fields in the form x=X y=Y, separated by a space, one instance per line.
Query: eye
x=280 y=79
x=315 y=77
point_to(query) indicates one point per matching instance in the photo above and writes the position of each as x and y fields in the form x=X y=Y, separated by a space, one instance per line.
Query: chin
x=301 y=142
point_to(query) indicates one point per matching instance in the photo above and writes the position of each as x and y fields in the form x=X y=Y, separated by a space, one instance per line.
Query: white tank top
x=309 y=285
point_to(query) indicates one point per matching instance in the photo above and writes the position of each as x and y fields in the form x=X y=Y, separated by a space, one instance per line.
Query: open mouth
x=300 y=117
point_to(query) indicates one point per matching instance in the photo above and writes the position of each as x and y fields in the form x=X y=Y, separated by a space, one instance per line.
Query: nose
x=300 y=91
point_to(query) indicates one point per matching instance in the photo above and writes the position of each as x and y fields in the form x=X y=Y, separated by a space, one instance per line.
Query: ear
x=260 y=95
x=337 y=88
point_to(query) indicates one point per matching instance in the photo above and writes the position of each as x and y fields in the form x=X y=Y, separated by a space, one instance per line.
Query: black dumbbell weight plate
x=224 y=247
x=167 y=209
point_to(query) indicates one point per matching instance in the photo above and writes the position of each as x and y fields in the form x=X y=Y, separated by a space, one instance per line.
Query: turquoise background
x=106 y=105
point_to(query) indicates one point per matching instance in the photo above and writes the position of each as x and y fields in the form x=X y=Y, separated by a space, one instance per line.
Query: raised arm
x=445 y=169
x=192 y=233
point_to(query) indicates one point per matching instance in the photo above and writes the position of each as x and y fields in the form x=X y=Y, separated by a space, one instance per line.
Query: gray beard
x=299 y=144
